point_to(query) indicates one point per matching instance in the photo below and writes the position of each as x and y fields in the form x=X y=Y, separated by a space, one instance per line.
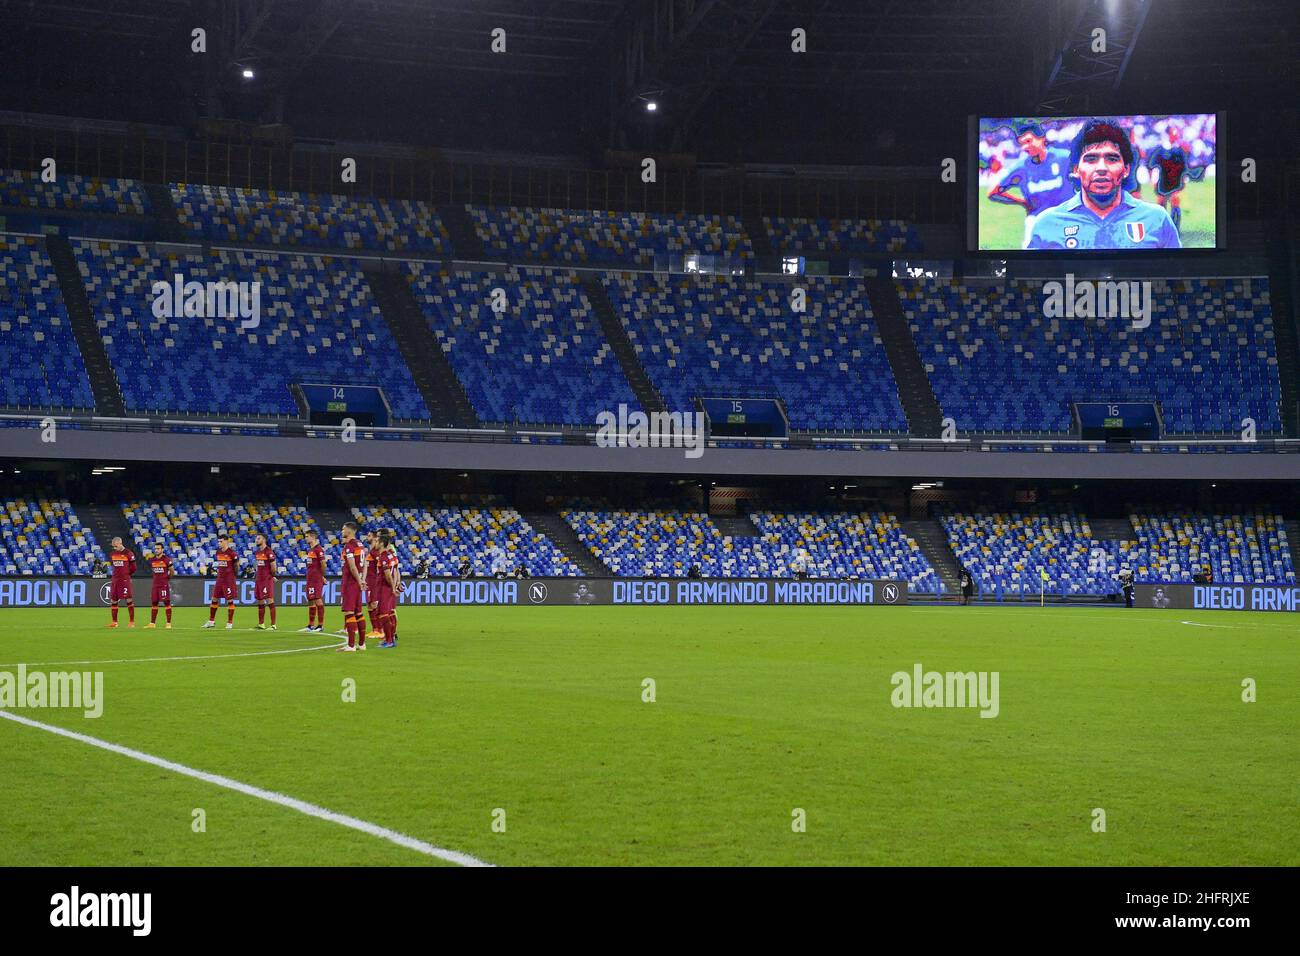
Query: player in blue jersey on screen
x=1102 y=215
x=1042 y=175
x=1172 y=172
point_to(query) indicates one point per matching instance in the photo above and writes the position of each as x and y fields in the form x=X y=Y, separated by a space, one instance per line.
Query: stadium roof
x=576 y=75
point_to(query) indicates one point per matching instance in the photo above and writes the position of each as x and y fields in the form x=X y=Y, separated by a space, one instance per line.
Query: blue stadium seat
x=1237 y=548
x=42 y=363
x=43 y=536
x=1007 y=552
x=446 y=535
x=189 y=525
x=998 y=365
x=573 y=236
x=319 y=323
x=716 y=337
x=80 y=193
x=544 y=360
x=791 y=234
x=666 y=542
x=320 y=220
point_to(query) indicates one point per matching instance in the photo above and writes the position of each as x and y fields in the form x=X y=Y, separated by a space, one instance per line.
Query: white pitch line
x=193 y=657
x=293 y=803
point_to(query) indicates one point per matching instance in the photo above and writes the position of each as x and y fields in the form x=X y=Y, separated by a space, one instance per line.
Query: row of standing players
x=372 y=580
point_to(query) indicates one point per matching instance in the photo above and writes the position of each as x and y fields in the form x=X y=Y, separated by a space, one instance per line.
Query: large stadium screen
x=1087 y=183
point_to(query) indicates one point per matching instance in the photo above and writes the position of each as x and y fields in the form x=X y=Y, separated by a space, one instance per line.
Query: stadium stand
x=80 y=193
x=44 y=536
x=43 y=367
x=572 y=236
x=1237 y=548
x=997 y=365
x=666 y=542
x=711 y=336
x=318 y=323
x=189 y=526
x=1007 y=552
x=844 y=544
x=321 y=220
x=544 y=360
x=843 y=236
x=446 y=535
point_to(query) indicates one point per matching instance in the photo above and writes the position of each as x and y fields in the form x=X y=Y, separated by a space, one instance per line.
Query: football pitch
x=523 y=736
x=1002 y=226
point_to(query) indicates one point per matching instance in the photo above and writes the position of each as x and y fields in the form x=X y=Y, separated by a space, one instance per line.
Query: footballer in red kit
x=390 y=586
x=315 y=558
x=372 y=582
x=161 y=593
x=264 y=585
x=122 y=559
x=226 y=562
x=352 y=589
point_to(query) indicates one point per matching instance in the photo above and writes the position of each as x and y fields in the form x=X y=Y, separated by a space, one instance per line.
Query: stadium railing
x=296 y=428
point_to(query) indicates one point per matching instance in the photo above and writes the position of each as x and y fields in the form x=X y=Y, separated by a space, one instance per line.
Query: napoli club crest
x=1137 y=231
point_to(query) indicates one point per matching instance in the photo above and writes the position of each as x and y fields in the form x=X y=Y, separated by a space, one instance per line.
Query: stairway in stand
x=449 y=406
x=1112 y=529
x=163 y=210
x=924 y=418
x=465 y=241
x=566 y=539
x=759 y=237
x=616 y=336
x=107 y=522
x=933 y=542
x=736 y=526
x=103 y=383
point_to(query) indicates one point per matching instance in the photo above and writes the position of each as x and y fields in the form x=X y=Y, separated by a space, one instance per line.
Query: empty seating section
x=318 y=323
x=720 y=337
x=572 y=236
x=322 y=220
x=660 y=543
x=80 y=193
x=446 y=535
x=1007 y=551
x=997 y=364
x=845 y=236
x=189 y=527
x=42 y=364
x=667 y=542
x=44 y=536
x=848 y=544
x=1245 y=548
x=544 y=359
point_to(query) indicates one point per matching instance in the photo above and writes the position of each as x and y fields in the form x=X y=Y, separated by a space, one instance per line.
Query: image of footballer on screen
x=1096 y=200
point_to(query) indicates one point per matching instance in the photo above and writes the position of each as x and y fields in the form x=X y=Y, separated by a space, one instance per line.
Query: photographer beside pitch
x=967 y=582
x=1126 y=584
x=1102 y=215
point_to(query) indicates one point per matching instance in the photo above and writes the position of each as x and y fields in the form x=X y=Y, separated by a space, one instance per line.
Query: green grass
x=758 y=711
x=1002 y=226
